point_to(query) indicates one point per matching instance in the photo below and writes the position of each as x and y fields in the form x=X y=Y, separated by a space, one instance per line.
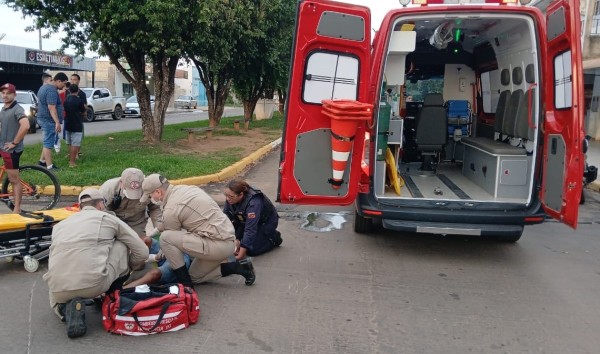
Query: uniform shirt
x=190 y=208
x=131 y=211
x=48 y=95
x=9 y=125
x=248 y=221
x=80 y=247
x=73 y=118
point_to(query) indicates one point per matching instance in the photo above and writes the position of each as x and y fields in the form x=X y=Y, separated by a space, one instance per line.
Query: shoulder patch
x=251 y=215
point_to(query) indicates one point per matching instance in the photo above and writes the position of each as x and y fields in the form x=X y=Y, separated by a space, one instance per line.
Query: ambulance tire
x=510 y=238
x=361 y=224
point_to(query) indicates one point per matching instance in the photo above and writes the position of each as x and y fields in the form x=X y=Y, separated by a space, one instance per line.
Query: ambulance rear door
x=330 y=60
x=563 y=159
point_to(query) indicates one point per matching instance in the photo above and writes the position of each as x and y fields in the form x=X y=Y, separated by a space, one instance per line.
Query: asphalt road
x=105 y=126
x=329 y=290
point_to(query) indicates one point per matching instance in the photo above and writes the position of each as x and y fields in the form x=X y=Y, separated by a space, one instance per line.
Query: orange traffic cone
x=342 y=135
x=345 y=116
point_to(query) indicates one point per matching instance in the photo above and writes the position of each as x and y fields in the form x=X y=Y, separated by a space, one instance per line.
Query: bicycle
x=41 y=189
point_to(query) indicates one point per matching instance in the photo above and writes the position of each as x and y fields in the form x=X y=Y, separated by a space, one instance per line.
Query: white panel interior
x=332 y=76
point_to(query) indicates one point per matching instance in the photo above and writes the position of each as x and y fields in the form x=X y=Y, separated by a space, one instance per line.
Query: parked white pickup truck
x=101 y=102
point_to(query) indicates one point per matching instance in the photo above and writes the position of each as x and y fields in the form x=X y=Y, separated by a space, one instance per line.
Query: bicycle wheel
x=41 y=190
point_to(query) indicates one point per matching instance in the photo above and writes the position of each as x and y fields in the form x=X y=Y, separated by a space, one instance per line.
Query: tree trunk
x=164 y=84
x=215 y=110
x=281 y=95
x=217 y=90
x=249 y=106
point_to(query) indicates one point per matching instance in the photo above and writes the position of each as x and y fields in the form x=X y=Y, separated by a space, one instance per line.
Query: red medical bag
x=150 y=309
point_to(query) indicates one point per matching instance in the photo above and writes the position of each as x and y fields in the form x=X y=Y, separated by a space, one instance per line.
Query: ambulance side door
x=330 y=60
x=563 y=158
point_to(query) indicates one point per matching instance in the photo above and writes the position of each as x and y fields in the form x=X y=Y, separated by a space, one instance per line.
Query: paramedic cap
x=131 y=180
x=90 y=194
x=151 y=183
x=8 y=86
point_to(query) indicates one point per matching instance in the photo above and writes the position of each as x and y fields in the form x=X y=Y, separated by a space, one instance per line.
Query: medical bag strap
x=164 y=309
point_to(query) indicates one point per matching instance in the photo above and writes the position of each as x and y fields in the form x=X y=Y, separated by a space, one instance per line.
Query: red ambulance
x=476 y=121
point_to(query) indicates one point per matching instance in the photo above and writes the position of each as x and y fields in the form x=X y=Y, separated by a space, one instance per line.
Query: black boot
x=75 y=317
x=183 y=276
x=243 y=268
x=276 y=239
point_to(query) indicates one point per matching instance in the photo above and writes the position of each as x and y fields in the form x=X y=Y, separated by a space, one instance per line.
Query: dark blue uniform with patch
x=255 y=220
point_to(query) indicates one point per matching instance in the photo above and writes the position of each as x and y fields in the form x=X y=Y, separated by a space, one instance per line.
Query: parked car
x=186 y=102
x=132 y=107
x=29 y=101
x=101 y=102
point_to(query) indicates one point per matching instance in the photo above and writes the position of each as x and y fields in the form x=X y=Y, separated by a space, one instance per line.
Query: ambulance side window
x=330 y=75
x=563 y=81
x=489 y=89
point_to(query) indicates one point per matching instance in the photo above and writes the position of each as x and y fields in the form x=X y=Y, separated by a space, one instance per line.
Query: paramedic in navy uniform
x=254 y=217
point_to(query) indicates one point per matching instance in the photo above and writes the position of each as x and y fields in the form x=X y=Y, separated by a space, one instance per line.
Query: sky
x=13 y=25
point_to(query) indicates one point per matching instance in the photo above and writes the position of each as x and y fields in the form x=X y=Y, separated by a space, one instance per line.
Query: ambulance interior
x=458 y=114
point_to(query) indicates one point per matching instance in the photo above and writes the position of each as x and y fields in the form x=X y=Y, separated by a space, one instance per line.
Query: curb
x=225 y=174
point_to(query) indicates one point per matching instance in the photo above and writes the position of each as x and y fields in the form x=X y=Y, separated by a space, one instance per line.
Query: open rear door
x=330 y=60
x=563 y=157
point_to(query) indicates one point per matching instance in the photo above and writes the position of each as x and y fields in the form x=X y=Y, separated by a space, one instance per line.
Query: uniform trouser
x=139 y=228
x=262 y=242
x=208 y=253
x=117 y=265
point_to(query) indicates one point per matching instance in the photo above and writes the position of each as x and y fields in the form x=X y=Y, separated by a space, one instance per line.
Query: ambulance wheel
x=31 y=264
x=511 y=238
x=362 y=225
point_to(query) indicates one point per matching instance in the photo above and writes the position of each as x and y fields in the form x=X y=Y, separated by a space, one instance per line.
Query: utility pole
x=40 y=36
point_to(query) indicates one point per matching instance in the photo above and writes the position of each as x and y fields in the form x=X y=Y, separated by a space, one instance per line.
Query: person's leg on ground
x=13 y=177
x=171 y=243
x=117 y=264
x=166 y=273
x=11 y=163
x=74 y=141
x=48 y=138
x=213 y=264
x=263 y=243
x=153 y=276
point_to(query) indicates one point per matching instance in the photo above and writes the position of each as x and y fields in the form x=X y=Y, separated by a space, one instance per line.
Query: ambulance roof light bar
x=449 y=2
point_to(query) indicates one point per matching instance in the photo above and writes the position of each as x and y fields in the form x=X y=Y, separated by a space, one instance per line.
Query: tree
x=150 y=32
x=264 y=64
x=218 y=47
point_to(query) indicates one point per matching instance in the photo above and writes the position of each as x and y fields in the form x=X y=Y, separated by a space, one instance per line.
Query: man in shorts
x=49 y=114
x=14 y=125
x=73 y=123
x=75 y=80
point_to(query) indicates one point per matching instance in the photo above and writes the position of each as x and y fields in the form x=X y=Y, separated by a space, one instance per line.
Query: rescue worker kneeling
x=254 y=218
x=194 y=224
x=92 y=253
